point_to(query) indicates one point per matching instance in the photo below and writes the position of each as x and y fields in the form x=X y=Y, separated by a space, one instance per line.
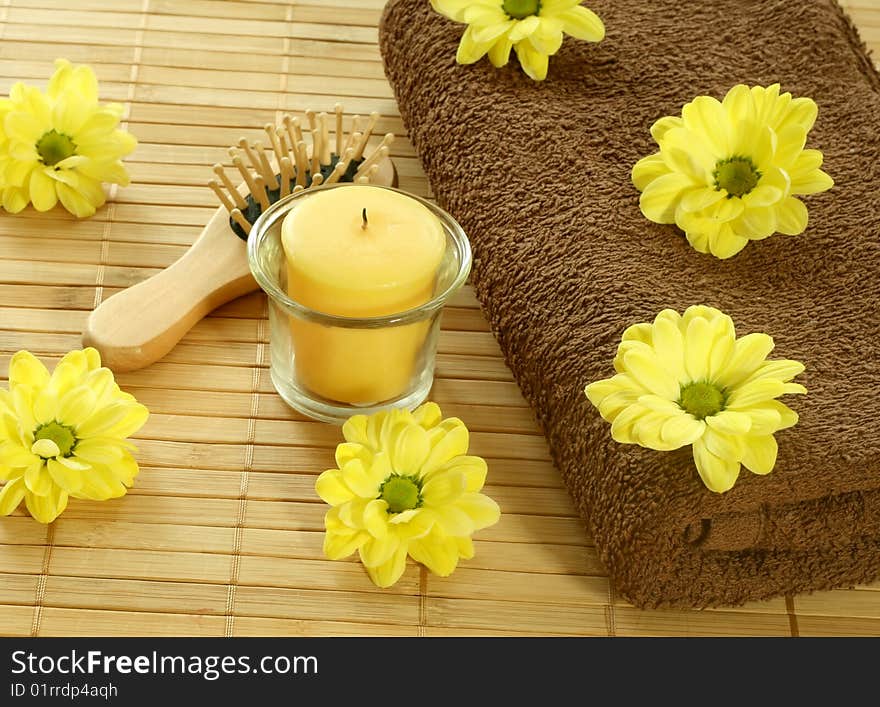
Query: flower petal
x=465 y=548
x=546 y=40
x=725 y=446
x=25 y=369
x=757 y=391
x=523 y=28
x=681 y=430
x=11 y=496
x=697 y=347
x=428 y=415
x=583 y=24
x=719 y=475
x=764 y=419
x=762 y=195
x=787 y=416
x=100 y=450
x=647 y=370
x=647 y=169
x=76 y=406
x=801 y=112
x=706 y=117
x=377 y=551
x=332 y=489
x=454 y=9
x=414 y=523
x=730 y=422
x=120 y=419
x=749 y=352
x=42 y=190
x=20 y=126
x=100 y=484
x=533 y=62
x=792 y=217
x=490 y=27
x=68 y=479
x=347 y=451
x=622 y=425
x=663 y=125
x=759 y=455
x=781 y=369
x=759 y=223
x=443 y=487
x=701 y=198
x=660 y=198
x=474 y=470
x=356 y=477
x=376 y=518
x=469 y=49
x=452 y=520
x=409 y=450
x=790 y=143
x=499 y=53
x=355 y=430
x=46 y=508
x=483 y=511
x=75 y=202
x=15 y=199
x=811 y=183
x=436 y=552
x=45 y=448
x=37 y=479
x=341 y=543
x=388 y=573
x=452 y=444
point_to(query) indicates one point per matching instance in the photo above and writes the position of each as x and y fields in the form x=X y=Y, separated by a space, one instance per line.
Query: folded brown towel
x=539 y=176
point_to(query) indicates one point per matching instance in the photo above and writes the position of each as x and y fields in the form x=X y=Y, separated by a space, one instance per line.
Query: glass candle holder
x=331 y=367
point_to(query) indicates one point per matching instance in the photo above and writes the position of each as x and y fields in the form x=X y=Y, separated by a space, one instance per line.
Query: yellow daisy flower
x=63 y=434
x=532 y=28
x=62 y=144
x=730 y=171
x=405 y=485
x=688 y=380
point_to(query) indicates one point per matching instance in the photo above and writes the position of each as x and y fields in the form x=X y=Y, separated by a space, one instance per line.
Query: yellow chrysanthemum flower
x=688 y=380
x=532 y=28
x=62 y=144
x=63 y=434
x=405 y=485
x=729 y=172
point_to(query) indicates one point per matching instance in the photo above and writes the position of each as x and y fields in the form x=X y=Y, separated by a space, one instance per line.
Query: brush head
x=253 y=209
x=292 y=166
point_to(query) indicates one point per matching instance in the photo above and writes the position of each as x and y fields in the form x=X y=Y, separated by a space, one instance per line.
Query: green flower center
x=54 y=147
x=401 y=493
x=737 y=175
x=701 y=399
x=61 y=435
x=520 y=9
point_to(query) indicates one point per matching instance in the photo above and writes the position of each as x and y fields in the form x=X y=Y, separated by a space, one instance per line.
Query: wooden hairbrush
x=139 y=325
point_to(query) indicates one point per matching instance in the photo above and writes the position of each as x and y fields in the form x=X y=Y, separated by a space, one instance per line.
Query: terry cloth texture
x=539 y=176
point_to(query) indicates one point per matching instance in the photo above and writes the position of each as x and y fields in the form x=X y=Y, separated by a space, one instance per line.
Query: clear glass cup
x=331 y=367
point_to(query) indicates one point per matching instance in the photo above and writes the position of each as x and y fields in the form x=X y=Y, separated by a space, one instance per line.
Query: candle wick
x=364 y=224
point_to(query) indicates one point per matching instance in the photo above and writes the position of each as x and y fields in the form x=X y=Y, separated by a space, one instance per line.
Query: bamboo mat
x=222 y=533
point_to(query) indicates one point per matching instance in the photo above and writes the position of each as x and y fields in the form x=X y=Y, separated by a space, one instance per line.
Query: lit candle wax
x=360 y=251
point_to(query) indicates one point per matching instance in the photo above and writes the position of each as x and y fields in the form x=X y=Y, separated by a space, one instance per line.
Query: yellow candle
x=360 y=251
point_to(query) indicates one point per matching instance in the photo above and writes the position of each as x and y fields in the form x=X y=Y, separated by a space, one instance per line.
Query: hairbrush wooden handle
x=139 y=325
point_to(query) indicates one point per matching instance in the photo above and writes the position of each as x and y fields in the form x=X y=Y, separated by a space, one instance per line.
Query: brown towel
x=539 y=176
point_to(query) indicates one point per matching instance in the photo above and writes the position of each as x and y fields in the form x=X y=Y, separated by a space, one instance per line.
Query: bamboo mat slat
x=184 y=553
